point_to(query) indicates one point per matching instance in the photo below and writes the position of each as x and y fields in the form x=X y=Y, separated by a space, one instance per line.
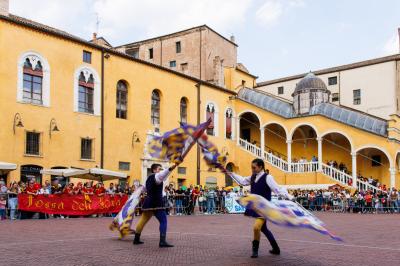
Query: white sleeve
x=244 y=181
x=275 y=187
x=161 y=176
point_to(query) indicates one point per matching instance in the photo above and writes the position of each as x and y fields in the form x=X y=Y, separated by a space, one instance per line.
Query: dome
x=310 y=82
x=310 y=91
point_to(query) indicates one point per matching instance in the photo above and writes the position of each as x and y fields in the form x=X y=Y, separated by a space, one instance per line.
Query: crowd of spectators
x=180 y=201
x=342 y=200
x=207 y=200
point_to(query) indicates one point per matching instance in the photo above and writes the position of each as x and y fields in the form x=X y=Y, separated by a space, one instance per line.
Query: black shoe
x=164 y=243
x=136 y=240
x=256 y=244
x=275 y=251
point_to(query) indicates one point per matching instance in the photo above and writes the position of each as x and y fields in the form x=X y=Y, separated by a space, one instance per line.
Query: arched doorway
x=228 y=180
x=31 y=171
x=373 y=166
x=304 y=148
x=336 y=151
x=250 y=128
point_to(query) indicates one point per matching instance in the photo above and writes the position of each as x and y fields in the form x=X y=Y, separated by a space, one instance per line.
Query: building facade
x=353 y=85
x=200 y=52
x=67 y=102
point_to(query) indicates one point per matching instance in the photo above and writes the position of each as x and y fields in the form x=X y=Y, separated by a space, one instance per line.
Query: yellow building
x=67 y=102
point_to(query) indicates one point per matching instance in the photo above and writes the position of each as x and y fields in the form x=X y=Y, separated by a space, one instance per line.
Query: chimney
x=398 y=30
x=232 y=38
x=94 y=38
x=4 y=7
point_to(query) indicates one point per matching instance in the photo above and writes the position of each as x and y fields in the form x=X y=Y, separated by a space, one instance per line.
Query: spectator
x=179 y=194
x=13 y=199
x=3 y=203
x=210 y=201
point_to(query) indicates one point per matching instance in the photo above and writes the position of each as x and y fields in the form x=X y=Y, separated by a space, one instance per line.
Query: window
x=151 y=53
x=335 y=97
x=87 y=57
x=210 y=115
x=124 y=166
x=33 y=85
x=86 y=149
x=332 y=81
x=178 y=47
x=32 y=82
x=182 y=170
x=228 y=117
x=86 y=89
x=184 y=67
x=183 y=107
x=32 y=143
x=357 y=97
x=172 y=63
x=122 y=99
x=155 y=108
x=376 y=160
x=280 y=90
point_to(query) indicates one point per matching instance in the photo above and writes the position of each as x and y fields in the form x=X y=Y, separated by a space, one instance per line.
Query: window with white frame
x=33 y=79
x=210 y=114
x=87 y=96
x=228 y=123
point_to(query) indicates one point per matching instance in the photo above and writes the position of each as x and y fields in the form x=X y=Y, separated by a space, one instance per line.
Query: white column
x=262 y=134
x=289 y=154
x=354 y=168
x=392 y=177
x=237 y=130
x=319 y=154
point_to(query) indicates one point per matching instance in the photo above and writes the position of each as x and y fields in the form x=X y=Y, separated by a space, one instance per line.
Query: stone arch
x=290 y=135
x=349 y=139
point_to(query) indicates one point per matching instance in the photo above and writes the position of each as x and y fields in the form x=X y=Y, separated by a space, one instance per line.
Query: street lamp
x=17 y=121
x=53 y=126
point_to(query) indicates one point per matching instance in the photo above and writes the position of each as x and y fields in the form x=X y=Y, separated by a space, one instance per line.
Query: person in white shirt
x=263 y=184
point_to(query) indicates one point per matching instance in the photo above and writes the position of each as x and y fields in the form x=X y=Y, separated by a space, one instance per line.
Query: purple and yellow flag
x=123 y=221
x=211 y=154
x=174 y=145
x=285 y=213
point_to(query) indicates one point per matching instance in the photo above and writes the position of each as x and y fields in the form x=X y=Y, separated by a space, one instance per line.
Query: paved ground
x=200 y=240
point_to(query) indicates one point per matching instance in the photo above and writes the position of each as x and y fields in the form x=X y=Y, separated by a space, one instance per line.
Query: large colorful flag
x=123 y=221
x=285 y=213
x=174 y=145
x=211 y=154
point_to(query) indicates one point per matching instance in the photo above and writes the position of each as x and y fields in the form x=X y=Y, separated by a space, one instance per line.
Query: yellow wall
x=63 y=149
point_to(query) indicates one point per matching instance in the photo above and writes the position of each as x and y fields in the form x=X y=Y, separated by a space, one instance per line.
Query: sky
x=276 y=38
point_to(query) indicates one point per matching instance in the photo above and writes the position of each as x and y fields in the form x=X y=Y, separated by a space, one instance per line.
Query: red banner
x=71 y=205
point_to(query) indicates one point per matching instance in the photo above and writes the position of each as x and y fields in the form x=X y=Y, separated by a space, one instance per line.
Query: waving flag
x=211 y=153
x=123 y=221
x=285 y=212
x=174 y=145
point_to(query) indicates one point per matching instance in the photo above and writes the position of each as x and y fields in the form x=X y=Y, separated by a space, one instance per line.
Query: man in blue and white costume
x=154 y=205
x=263 y=184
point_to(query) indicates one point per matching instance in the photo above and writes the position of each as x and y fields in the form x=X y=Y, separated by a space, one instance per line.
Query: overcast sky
x=276 y=38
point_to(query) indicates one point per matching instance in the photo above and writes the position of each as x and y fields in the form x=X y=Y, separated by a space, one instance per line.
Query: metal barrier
x=350 y=205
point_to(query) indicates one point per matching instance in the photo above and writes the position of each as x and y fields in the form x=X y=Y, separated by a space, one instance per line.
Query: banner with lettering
x=71 y=204
x=231 y=205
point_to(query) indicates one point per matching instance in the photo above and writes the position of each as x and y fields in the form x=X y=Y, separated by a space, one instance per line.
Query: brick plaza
x=200 y=240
